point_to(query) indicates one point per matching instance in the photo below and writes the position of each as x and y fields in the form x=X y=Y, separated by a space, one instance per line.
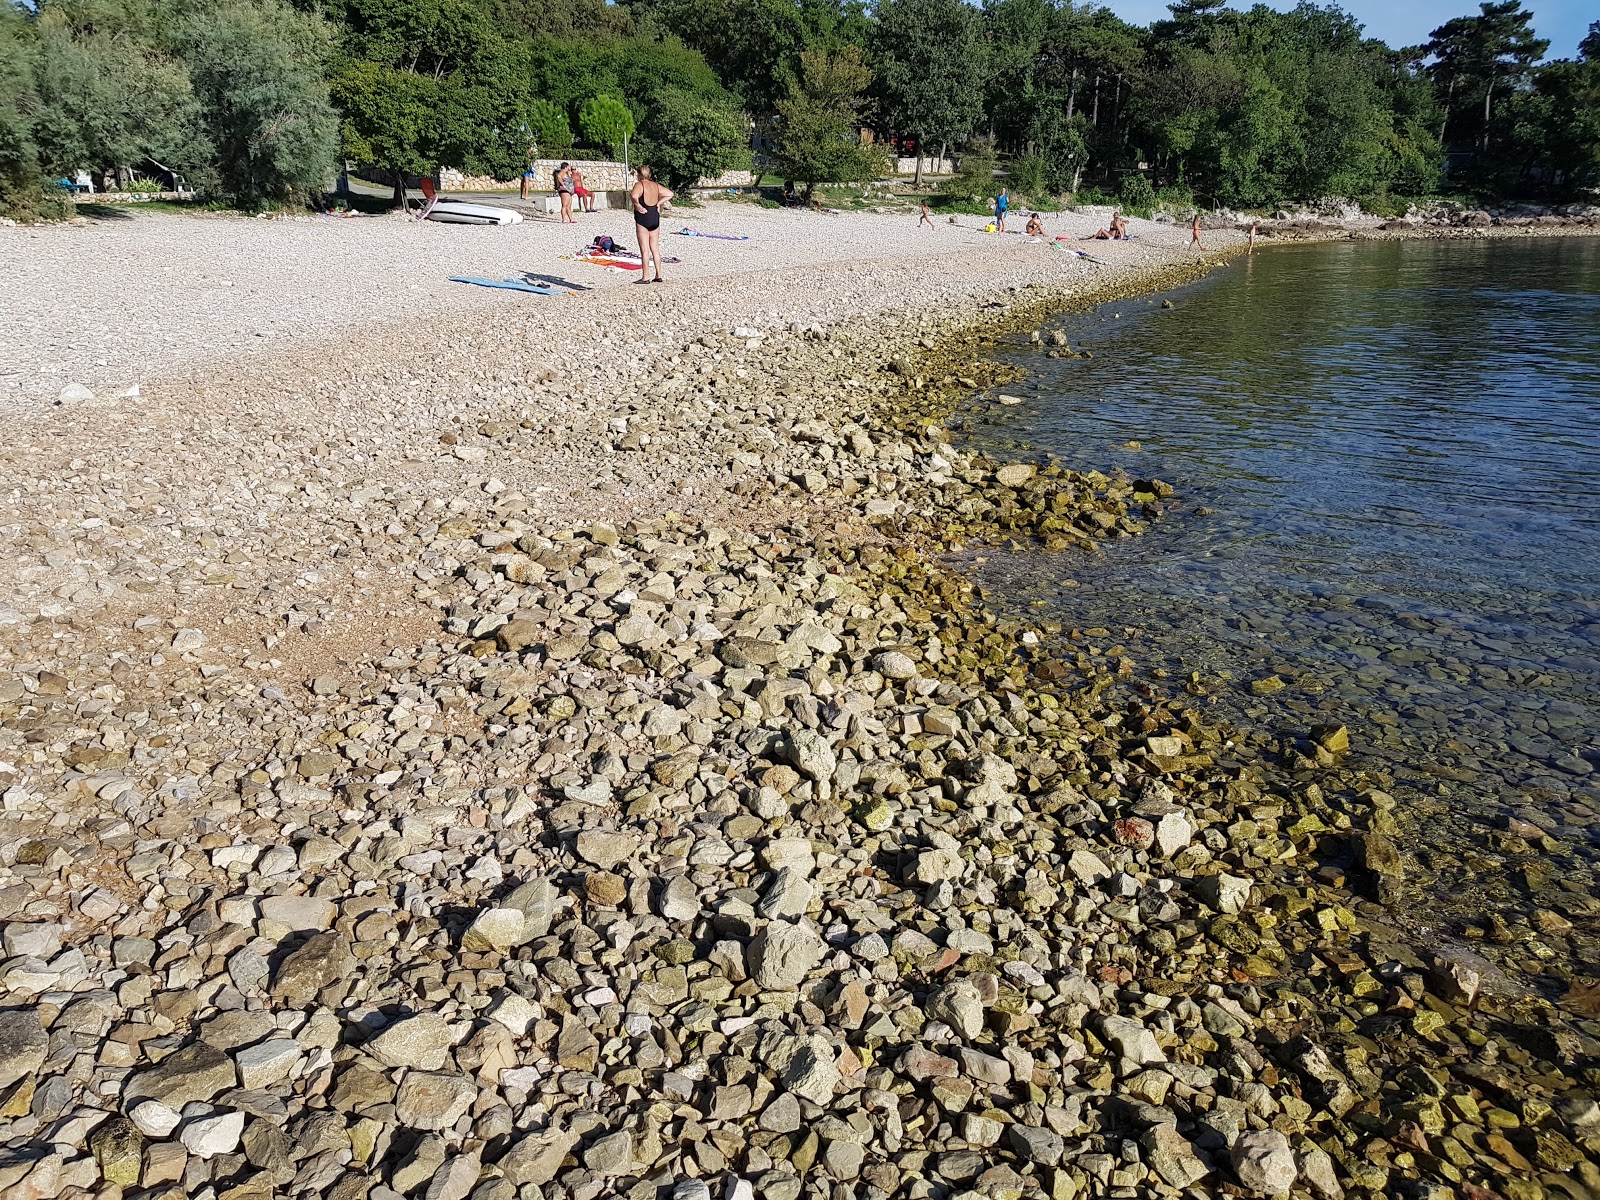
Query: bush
x=548 y=127
x=605 y=121
x=1026 y=175
x=256 y=69
x=1136 y=194
x=975 y=181
x=684 y=139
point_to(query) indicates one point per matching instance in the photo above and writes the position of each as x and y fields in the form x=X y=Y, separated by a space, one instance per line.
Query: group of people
x=568 y=181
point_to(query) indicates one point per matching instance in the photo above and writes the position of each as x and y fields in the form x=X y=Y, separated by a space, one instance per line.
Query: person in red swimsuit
x=584 y=195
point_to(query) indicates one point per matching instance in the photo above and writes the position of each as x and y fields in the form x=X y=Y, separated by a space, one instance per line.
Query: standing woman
x=564 y=190
x=648 y=196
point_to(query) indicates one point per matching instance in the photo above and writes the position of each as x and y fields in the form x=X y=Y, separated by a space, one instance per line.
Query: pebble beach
x=464 y=744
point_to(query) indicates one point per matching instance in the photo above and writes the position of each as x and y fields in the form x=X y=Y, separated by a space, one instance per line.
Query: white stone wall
x=930 y=166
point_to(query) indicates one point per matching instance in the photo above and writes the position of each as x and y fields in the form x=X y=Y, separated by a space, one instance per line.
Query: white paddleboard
x=459 y=212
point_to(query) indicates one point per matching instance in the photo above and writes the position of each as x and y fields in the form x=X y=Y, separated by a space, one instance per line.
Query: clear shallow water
x=1399 y=448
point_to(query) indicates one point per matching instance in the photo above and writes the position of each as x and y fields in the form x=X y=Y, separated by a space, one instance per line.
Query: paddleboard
x=459 y=212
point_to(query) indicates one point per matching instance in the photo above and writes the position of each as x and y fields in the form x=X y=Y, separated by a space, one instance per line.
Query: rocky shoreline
x=739 y=858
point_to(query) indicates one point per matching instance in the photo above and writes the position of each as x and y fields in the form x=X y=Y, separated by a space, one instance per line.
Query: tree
x=21 y=195
x=1477 y=53
x=548 y=127
x=755 y=45
x=391 y=120
x=929 y=60
x=605 y=121
x=685 y=140
x=107 y=94
x=820 y=118
x=257 y=73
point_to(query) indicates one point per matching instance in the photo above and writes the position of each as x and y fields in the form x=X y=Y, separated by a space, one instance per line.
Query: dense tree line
x=255 y=101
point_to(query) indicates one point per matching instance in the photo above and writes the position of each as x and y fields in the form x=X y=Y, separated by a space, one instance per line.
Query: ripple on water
x=1399 y=444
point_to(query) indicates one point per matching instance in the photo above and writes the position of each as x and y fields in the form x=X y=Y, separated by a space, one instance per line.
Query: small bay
x=1386 y=457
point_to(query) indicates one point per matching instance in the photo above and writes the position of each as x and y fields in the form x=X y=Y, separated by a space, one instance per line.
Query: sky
x=1408 y=22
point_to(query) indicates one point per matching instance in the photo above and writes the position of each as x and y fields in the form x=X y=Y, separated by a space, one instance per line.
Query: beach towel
x=510 y=285
x=721 y=237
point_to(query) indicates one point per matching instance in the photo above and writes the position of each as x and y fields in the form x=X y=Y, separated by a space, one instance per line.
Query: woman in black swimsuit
x=648 y=196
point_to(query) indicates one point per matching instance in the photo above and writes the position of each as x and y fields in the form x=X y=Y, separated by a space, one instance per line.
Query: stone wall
x=597 y=177
x=930 y=166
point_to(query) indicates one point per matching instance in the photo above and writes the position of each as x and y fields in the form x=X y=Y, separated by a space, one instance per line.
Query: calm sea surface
x=1394 y=451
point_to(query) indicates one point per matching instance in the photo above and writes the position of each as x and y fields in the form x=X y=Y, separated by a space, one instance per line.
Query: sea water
x=1387 y=457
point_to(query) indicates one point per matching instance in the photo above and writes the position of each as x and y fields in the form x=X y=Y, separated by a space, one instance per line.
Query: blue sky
x=1408 y=22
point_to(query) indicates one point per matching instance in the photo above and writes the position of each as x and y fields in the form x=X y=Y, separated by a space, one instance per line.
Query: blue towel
x=511 y=285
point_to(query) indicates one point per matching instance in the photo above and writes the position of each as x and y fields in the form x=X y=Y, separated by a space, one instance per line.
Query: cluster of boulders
x=701 y=858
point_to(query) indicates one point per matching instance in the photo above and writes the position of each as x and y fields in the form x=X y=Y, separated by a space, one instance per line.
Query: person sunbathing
x=1035 y=226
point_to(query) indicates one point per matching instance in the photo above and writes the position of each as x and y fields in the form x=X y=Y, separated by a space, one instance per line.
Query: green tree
x=391 y=120
x=929 y=64
x=1477 y=56
x=108 y=94
x=548 y=127
x=257 y=72
x=685 y=140
x=605 y=121
x=820 y=121
x=21 y=194
x=754 y=46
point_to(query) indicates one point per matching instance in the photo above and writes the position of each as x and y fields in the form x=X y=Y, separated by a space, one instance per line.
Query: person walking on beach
x=584 y=195
x=648 y=196
x=527 y=177
x=563 y=182
x=925 y=219
x=1001 y=203
x=1194 y=231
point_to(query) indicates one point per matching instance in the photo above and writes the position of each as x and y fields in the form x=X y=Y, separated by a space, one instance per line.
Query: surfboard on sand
x=510 y=285
x=459 y=212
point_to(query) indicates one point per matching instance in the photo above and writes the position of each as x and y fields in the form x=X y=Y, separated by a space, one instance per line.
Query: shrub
x=975 y=180
x=684 y=139
x=1136 y=193
x=605 y=121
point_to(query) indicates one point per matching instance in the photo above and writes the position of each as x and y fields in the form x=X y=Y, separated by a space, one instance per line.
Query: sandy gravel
x=119 y=302
x=295 y=429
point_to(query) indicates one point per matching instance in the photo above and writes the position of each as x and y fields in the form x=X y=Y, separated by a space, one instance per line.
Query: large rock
x=1171 y=1156
x=1263 y=1162
x=610 y=1155
x=782 y=955
x=500 y=929
x=433 y=1099
x=537 y=1158
x=959 y=1006
x=606 y=848
x=811 y=755
x=23 y=1044
x=1132 y=1040
x=323 y=961
x=536 y=900
x=1037 y=1145
x=422 y=1041
x=197 y=1072
x=207 y=1137
x=299 y=914
x=805 y=1065
x=1225 y=893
